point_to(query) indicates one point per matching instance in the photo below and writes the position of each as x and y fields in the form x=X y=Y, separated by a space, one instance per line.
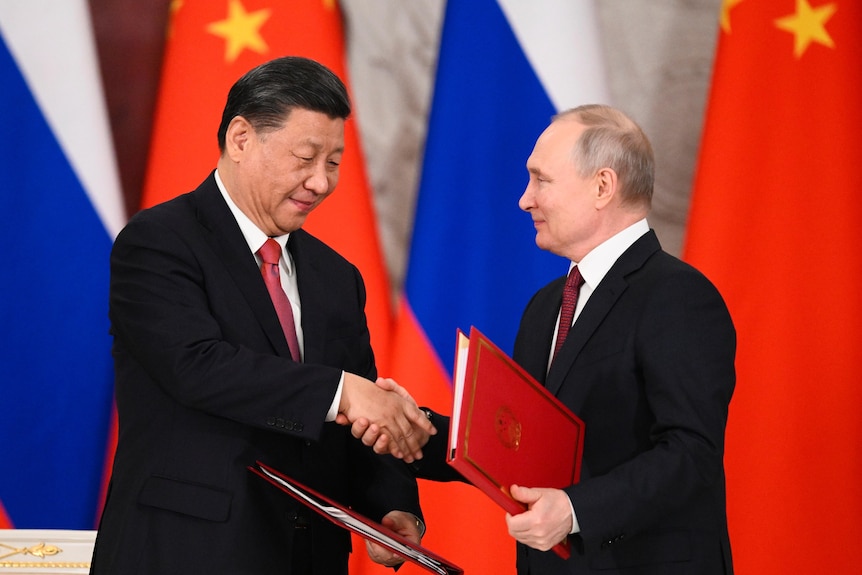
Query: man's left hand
x=403 y=523
x=547 y=521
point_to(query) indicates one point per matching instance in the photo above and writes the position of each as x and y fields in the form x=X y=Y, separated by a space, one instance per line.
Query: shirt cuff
x=576 y=528
x=420 y=525
x=333 y=409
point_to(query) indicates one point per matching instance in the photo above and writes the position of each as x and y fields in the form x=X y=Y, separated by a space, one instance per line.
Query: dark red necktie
x=270 y=253
x=567 y=310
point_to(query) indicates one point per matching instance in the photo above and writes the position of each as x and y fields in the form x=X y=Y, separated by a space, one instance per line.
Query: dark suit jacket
x=649 y=367
x=205 y=386
x=433 y=464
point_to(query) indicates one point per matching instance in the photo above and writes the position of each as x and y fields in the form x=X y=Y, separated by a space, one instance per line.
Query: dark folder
x=353 y=521
x=507 y=428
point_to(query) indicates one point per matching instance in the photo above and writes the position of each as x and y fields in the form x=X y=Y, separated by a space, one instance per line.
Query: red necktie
x=567 y=310
x=270 y=253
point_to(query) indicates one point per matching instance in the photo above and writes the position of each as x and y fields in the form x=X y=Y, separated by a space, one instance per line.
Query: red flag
x=773 y=222
x=210 y=45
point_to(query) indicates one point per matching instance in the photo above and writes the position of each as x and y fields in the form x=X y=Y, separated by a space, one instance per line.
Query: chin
x=291 y=224
x=542 y=244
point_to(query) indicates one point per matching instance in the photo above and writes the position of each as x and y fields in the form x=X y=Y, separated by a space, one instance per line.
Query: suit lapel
x=308 y=282
x=540 y=327
x=227 y=242
x=606 y=294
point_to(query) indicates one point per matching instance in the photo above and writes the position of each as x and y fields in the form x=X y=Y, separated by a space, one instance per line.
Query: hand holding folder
x=508 y=429
x=353 y=521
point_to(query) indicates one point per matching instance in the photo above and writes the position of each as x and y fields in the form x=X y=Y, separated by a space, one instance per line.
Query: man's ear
x=237 y=137
x=606 y=181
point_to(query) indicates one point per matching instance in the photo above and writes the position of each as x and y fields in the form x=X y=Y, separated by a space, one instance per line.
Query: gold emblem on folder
x=508 y=428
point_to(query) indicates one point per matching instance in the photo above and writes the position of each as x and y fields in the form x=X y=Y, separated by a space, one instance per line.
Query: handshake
x=384 y=416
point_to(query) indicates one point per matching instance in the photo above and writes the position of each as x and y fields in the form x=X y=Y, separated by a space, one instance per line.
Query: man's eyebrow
x=318 y=145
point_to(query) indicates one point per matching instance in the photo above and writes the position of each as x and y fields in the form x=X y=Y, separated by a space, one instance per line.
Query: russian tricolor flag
x=61 y=204
x=505 y=68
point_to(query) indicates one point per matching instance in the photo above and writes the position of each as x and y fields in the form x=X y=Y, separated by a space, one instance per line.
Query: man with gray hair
x=636 y=343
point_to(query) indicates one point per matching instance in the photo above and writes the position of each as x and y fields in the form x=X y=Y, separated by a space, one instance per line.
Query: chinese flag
x=211 y=43
x=774 y=223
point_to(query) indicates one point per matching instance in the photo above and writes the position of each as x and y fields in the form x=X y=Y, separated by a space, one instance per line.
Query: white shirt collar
x=596 y=264
x=254 y=237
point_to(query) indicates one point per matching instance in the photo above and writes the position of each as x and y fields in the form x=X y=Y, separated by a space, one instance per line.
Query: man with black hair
x=226 y=354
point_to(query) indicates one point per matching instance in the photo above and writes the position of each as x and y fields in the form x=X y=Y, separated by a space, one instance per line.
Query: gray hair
x=613 y=140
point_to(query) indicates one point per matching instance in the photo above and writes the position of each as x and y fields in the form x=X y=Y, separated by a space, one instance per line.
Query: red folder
x=359 y=524
x=508 y=429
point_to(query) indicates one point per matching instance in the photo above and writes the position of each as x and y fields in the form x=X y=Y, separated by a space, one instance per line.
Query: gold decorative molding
x=45 y=551
x=41 y=565
x=40 y=550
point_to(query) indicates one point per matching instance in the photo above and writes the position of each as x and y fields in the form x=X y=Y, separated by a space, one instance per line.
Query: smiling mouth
x=303 y=206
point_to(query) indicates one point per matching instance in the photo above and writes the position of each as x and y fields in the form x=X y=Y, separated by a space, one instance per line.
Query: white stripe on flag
x=54 y=47
x=567 y=58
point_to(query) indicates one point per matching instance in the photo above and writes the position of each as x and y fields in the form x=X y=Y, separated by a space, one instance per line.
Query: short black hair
x=265 y=95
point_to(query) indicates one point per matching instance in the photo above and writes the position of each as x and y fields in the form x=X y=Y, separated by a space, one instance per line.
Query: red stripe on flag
x=108 y=464
x=5 y=522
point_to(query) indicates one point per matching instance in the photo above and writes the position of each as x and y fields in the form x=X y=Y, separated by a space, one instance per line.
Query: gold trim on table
x=45 y=551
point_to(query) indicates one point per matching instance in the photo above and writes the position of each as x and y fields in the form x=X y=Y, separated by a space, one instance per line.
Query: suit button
x=297 y=427
x=279 y=422
x=270 y=421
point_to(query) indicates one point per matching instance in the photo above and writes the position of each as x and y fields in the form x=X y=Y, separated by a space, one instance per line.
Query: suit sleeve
x=433 y=464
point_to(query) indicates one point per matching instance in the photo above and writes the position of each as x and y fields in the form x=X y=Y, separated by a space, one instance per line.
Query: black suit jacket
x=205 y=386
x=649 y=367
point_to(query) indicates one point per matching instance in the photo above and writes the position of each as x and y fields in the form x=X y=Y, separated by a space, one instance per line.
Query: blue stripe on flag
x=55 y=361
x=473 y=257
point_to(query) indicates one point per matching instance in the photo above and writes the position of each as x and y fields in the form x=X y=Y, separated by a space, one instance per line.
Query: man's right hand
x=389 y=412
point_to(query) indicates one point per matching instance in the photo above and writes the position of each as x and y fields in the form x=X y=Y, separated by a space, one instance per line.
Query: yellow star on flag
x=808 y=25
x=726 y=6
x=174 y=7
x=241 y=30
